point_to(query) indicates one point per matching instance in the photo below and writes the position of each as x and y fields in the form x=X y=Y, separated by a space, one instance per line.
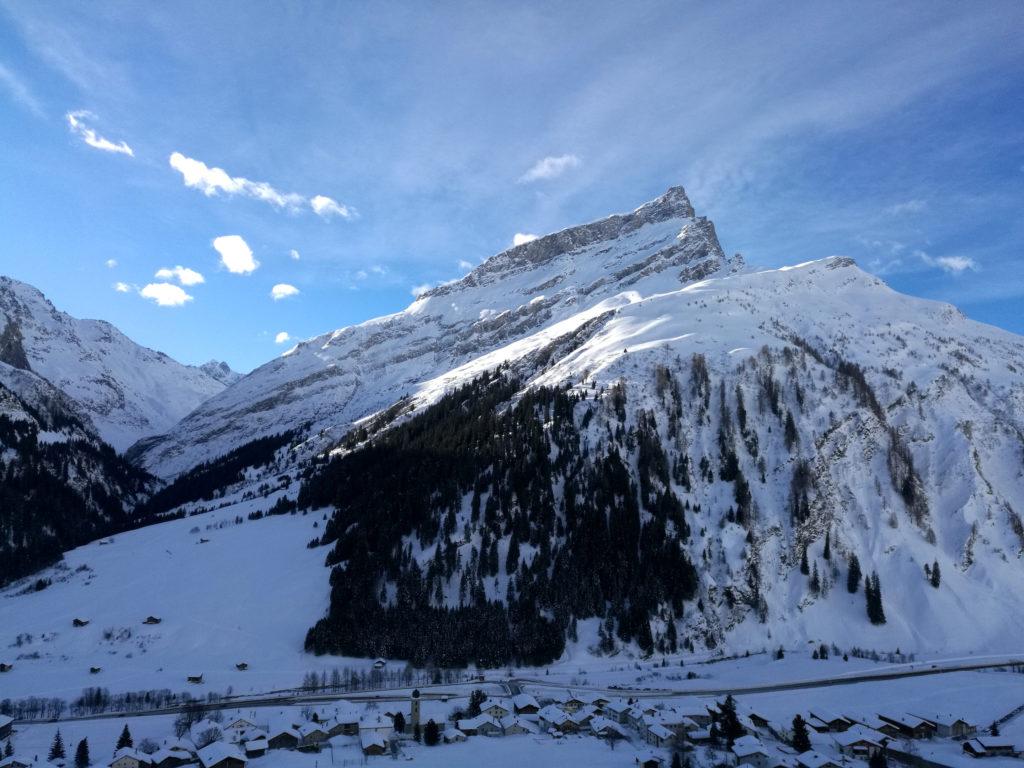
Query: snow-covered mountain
x=127 y=390
x=333 y=380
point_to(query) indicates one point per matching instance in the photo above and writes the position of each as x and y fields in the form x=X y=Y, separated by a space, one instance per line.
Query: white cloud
x=282 y=337
x=235 y=254
x=165 y=294
x=211 y=181
x=183 y=275
x=465 y=265
x=283 y=291
x=294 y=254
x=19 y=91
x=419 y=290
x=326 y=207
x=122 y=287
x=910 y=206
x=90 y=137
x=111 y=263
x=550 y=168
x=361 y=274
x=954 y=265
x=520 y=238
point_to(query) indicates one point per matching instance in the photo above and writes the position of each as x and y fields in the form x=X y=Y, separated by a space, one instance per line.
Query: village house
x=256 y=747
x=170 y=758
x=570 y=702
x=950 y=726
x=514 y=725
x=495 y=709
x=283 y=737
x=554 y=718
x=749 y=750
x=481 y=725
x=311 y=735
x=676 y=722
x=657 y=735
x=373 y=743
x=814 y=759
x=378 y=723
x=220 y=754
x=617 y=710
x=909 y=727
x=696 y=712
x=126 y=757
x=583 y=716
x=525 y=704
x=605 y=728
x=6 y=726
x=859 y=741
x=12 y=762
x=824 y=721
x=649 y=760
x=453 y=736
x=990 y=746
x=875 y=723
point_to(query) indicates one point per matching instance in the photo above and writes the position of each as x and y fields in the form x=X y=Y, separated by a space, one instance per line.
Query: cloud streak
x=213 y=181
x=550 y=168
x=165 y=294
x=18 y=91
x=78 y=127
x=183 y=275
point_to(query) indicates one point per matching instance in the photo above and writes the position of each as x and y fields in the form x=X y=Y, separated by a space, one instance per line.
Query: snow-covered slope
x=127 y=390
x=333 y=380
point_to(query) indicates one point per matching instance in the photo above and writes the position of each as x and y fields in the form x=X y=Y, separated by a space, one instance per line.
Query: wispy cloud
x=294 y=254
x=212 y=181
x=111 y=263
x=327 y=207
x=521 y=238
x=78 y=127
x=183 y=275
x=235 y=254
x=464 y=265
x=910 y=206
x=954 y=265
x=283 y=291
x=18 y=91
x=165 y=294
x=282 y=337
x=122 y=287
x=419 y=290
x=550 y=168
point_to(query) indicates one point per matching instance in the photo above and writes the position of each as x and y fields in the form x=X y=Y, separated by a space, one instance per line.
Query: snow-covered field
x=247 y=594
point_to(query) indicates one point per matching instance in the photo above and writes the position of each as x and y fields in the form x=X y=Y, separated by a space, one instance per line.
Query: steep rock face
x=127 y=390
x=773 y=409
x=332 y=381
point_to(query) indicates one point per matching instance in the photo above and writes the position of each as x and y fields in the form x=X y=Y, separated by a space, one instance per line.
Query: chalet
x=604 y=728
x=126 y=757
x=311 y=735
x=990 y=746
x=170 y=758
x=859 y=741
x=481 y=725
x=152 y=620
x=583 y=716
x=373 y=743
x=649 y=760
x=555 y=718
x=699 y=736
x=495 y=709
x=221 y=755
x=617 y=710
x=676 y=722
x=884 y=727
x=759 y=721
x=453 y=736
x=345 y=720
x=283 y=738
x=182 y=745
x=239 y=725
x=514 y=725
x=256 y=747
x=950 y=726
x=813 y=759
x=638 y=712
x=909 y=727
x=12 y=762
x=6 y=726
x=194 y=679
x=749 y=750
x=377 y=723
x=76 y=622
x=657 y=735
x=525 y=704
x=570 y=702
x=696 y=712
x=824 y=721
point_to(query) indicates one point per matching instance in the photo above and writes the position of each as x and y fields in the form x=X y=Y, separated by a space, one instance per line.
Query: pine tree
x=9 y=749
x=936 y=576
x=815 y=581
x=873 y=598
x=431 y=734
x=877 y=760
x=730 y=722
x=791 y=437
x=827 y=554
x=57 y=747
x=853 y=575
x=801 y=739
x=399 y=722
x=676 y=761
x=125 y=739
x=805 y=568
x=82 y=754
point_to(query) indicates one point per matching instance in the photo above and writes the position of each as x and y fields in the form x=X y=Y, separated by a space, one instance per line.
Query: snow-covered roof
x=858 y=733
x=453 y=734
x=307 y=729
x=132 y=753
x=488 y=703
x=5 y=720
x=371 y=738
x=474 y=723
x=218 y=751
x=553 y=714
x=660 y=731
x=813 y=759
x=748 y=745
x=601 y=724
x=515 y=721
x=375 y=721
x=524 y=700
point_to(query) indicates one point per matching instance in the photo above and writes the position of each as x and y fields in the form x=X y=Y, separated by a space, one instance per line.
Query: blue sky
x=392 y=145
